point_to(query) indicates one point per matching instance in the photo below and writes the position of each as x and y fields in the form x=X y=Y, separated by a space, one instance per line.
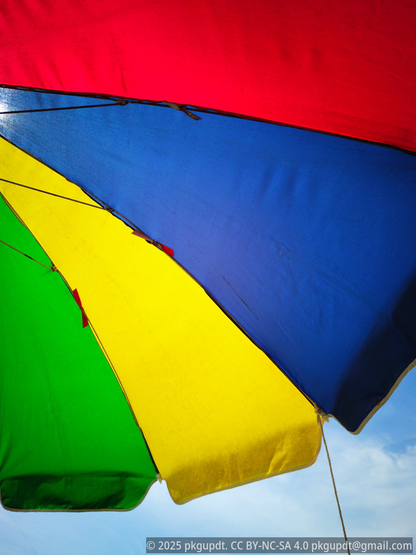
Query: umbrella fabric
x=303 y=238
x=214 y=410
x=297 y=235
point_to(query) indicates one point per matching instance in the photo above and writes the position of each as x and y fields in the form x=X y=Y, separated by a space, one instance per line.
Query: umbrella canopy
x=305 y=240
x=213 y=408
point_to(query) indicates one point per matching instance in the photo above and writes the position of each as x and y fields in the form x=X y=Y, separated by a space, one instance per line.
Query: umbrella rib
x=117 y=103
x=54 y=194
x=27 y=256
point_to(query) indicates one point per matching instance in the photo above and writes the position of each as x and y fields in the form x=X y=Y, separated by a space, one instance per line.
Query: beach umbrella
x=267 y=152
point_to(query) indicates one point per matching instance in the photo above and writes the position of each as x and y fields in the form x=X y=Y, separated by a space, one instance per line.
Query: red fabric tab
x=164 y=248
x=78 y=301
x=167 y=250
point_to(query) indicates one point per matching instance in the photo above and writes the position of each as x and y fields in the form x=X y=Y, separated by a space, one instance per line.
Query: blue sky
x=375 y=474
